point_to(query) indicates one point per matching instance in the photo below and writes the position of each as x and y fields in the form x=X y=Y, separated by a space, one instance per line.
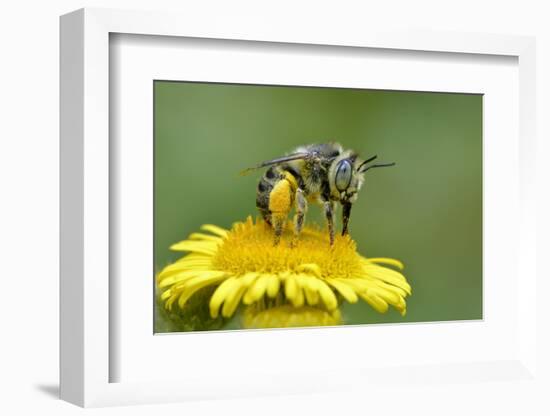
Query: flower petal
x=179 y=277
x=388 y=276
x=389 y=296
x=308 y=283
x=385 y=270
x=204 y=247
x=375 y=301
x=401 y=292
x=385 y=260
x=311 y=268
x=205 y=237
x=177 y=267
x=327 y=295
x=256 y=290
x=220 y=295
x=195 y=257
x=345 y=290
x=214 y=229
x=388 y=293
x=194 y=284
x=273 y=286
x=173 y=297
x=291 y=288
x=368 y=282
x=234 y=296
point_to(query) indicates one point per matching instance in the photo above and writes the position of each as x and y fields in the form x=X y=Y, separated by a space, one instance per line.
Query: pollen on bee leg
x=281 y=199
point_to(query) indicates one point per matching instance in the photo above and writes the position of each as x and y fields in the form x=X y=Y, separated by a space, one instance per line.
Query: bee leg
x=301 y=209
x=329 y=214
x=280 y=204
x=266 y=215
x=346 y=210
x=278 y=222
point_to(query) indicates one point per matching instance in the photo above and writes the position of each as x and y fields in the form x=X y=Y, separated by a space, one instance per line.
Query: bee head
x=344 y=178
x=346 y=175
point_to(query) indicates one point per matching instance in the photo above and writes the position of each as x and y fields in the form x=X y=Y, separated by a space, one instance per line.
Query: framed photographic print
x=309 y=271
x=265 y=213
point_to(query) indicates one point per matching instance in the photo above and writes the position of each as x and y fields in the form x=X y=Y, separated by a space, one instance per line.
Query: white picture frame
x=86 y=356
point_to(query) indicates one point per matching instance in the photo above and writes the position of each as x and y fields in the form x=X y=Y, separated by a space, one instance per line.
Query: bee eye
x=343 y=175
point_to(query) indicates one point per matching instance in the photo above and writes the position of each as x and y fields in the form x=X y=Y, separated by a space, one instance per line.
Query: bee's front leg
x=346 y=211
x=329 y=214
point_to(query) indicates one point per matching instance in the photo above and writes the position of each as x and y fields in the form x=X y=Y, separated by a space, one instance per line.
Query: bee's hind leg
x=280 y=203
x=301 y=209
x=266 y=215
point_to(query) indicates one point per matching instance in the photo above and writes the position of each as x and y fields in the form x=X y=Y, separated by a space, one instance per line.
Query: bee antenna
x=246 y=171
x=365 y=162
x=379 y=165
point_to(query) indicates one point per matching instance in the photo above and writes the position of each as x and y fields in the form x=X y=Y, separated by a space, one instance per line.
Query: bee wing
x=289 y=158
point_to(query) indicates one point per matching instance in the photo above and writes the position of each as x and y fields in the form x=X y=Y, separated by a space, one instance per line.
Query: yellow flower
x=281 y=285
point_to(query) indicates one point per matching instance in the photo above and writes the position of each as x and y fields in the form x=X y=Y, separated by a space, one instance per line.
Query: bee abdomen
x=262 y=194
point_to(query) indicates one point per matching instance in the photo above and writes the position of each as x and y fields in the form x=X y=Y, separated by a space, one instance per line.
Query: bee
x=323 y=173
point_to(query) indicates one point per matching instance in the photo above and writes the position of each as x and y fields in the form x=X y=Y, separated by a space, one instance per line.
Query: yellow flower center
x=249 y=248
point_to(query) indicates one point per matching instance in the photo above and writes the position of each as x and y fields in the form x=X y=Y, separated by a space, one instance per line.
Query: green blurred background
x=425 y=211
